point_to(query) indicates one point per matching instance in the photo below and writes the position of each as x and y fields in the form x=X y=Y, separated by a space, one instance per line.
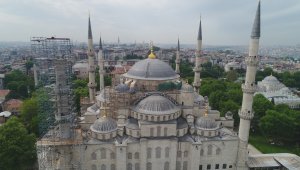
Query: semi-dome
x=122 y=88
x=206 y=122
x=104 y=125
x=187 y=88
x=157 y=105
x=151 y=69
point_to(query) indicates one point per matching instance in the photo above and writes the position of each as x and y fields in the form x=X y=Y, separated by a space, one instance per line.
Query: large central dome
x=151 y=69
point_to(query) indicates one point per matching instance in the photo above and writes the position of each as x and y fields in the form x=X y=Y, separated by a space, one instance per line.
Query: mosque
x=154 y=120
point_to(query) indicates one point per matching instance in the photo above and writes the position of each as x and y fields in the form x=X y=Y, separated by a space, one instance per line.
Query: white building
x=274 y=90
x=156 y=121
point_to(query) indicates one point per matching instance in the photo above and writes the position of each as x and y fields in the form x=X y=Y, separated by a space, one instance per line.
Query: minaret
x=177 y=61
x=91 y=59
x=249 y=88
x=197 y=68
x=101 y=65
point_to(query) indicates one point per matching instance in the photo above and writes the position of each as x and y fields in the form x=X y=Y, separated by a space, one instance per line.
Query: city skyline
x=224 y=23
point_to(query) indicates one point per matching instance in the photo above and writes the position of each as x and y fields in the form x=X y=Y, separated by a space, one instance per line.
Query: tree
x=231 y=106
x=29 y=112
x=215 y=99
x=17 y=149
x=231 y=75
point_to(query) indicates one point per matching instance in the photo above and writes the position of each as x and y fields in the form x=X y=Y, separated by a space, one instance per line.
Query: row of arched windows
x=103 y=167
x=210 y=151
x=102 y=155
x=185 y=154
x=184 y=166
x=166 y=166
x=158 y=132
x=130 y=166
x=136 y=155
x=158 y=152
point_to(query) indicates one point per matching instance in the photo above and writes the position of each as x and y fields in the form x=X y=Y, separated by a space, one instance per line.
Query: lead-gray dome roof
x=187 y=87
x=104 y=125
x=122 y=88
x=151 y=69
x=157 y=105
x=206 y=122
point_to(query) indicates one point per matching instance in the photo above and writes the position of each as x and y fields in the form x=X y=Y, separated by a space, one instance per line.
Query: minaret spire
x=197 y=67
x=91 y=61
x=101 y=65
x=249 y=88
x=177 y=61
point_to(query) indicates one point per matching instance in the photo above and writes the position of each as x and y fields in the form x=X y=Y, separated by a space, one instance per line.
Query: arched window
x=137 y=166
x=185 y=153
x=202 y=133
x=209 y=150
x=179 y=154
x=185 y=164
x=129 y=166
x=136 y=155
x=209 y=133
x=129 y=155
x=218 y=151
x=149 y=166
x=112 y=155
x=158 y=152
x=112 y=167
x=158 y=118
x=103 y=167
x=94 y=167
x=94 y=156
x=201 y=152
x=152 y=118
x=151 y=131
x=158 y=130
x=103 y=153
x=167 y=152
x=166 y=166
x=149 y=150
x=165 y=131
x=178 y=165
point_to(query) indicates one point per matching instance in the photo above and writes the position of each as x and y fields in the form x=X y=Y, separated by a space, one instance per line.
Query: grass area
x=262 y=144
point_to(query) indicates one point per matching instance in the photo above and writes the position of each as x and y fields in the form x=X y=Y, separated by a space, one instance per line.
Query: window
x=129 y=166
x=179 y=154
x=94 y=167
x=167 y=152
x=224 y=166
x=209 y=133
x=112 y=155
x=200 y=167
x=202 y=133
x=208 y=166
x=209 y=150
x=166 y=166
x=158 y=130
x=218 y=151
x=185 y=154
x=185 y=164
x=103 y=153
x=129 y=155
x=152 y=118
x=217 y=166
x=149 y=150
x=149 y=166
x=136 y=155
x=178 y=165
x=103 y=167
x=112 y=167
x=165 y=131
x=230 y=166
x=94 y=156
x=158 y=152
x=137 y=166
x=201 y=152
x=151 y=131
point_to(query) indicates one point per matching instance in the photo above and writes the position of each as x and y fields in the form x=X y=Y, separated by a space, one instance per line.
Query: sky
x=224 y=22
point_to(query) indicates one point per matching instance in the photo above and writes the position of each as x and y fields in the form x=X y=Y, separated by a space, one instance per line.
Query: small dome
x=151 y=69
x=104 y=125
x=122 y=88
x=156 y=104
x=270 y=78
x=187 y=87
x=206 y=122
x=152 y=55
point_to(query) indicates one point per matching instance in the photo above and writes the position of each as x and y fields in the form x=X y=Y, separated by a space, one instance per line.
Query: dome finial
x=151 y=55
x=206 y=110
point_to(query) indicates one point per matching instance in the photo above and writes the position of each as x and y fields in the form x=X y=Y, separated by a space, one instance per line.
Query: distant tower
x=63 y=116
x=35 y=75
x=177 y=61
x=91 y=59
x=249 y=88
x=101 y=65
x=197 y=68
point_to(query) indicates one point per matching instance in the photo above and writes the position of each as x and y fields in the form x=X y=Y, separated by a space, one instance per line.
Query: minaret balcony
x=91 y=53
x=196 y=84
x=249 y=88
x=252 y=60
x=246 y=114
x=197 y=69
x=91 y=85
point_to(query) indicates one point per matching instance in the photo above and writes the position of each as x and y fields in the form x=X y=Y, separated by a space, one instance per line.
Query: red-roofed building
x=13 y=106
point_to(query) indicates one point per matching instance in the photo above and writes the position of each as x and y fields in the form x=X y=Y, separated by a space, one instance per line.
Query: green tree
x=17 y=149
x=216 y=98
x=231 y=106
x=231 y=75
x=29 y=112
